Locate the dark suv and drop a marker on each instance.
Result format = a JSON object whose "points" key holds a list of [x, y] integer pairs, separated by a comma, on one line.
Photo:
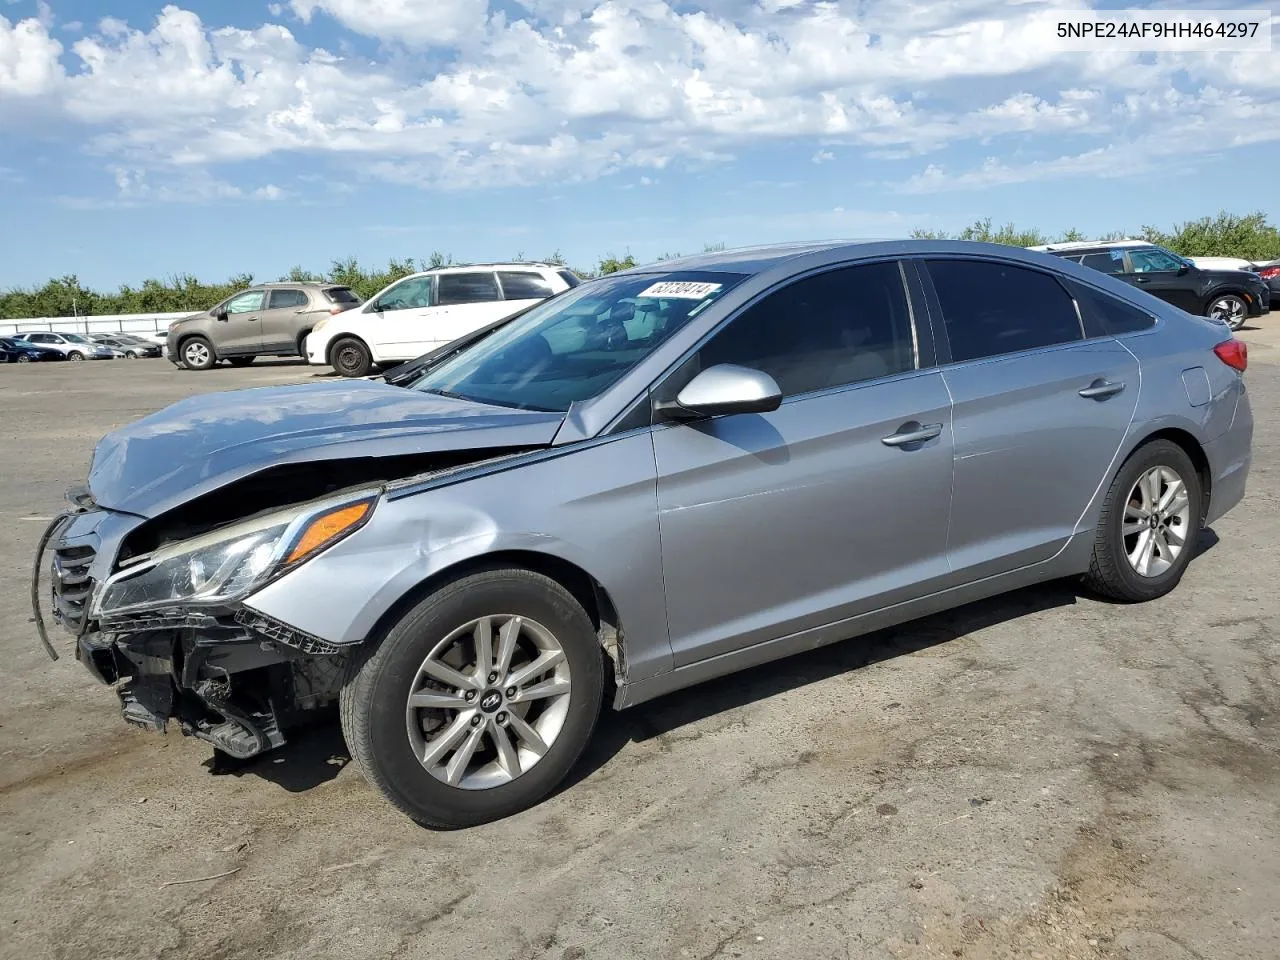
{"points": [[1229, 295], [265, 320]]}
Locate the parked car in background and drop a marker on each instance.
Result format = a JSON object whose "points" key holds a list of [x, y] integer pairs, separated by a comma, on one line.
{"points": [[1229, 295], [1221, 263], [1270, 272], [16, 350], [131, 348], [265, 320], [426, 310], [73, 346], [661, 476]]}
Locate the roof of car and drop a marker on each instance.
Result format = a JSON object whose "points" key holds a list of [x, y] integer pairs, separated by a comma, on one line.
{"points": [[321, 284], [1074, 245]]}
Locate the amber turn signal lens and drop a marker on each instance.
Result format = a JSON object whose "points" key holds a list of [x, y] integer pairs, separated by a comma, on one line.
{"points": [[326, 527]]}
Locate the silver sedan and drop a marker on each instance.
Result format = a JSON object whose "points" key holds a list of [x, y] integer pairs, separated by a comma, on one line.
{"points": [[655, 478]]}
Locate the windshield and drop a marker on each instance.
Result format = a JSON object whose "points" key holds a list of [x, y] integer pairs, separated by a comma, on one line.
{"points": [[76, 338], [578, 344]]}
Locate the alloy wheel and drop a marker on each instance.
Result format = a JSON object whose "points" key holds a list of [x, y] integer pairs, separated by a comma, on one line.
{"points": [[1157, 521], [488, 702], [196, 354], [1230, 309]]}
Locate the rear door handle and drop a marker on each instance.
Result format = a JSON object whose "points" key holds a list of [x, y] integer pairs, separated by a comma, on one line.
{"points": [[910, 433], [1141, 279], [1101, 389]]}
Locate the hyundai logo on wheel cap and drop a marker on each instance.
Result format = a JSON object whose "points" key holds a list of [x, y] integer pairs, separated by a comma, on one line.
{"points": [[490, 701]]}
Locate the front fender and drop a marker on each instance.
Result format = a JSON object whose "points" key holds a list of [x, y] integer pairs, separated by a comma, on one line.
{"points": [[593, 506]]}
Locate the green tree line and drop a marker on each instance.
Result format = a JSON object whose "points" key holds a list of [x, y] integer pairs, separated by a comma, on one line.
{"points": [[1248, 236]]}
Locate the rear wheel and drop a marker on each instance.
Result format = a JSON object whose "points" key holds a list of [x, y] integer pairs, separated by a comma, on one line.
{"points": [[241, 361], [197, 354], [1230, 308], [1149, 525], [350, 357], [478, 701]]}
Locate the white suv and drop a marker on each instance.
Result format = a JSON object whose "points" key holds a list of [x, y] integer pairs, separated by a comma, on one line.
{"points": [[426, 310]]}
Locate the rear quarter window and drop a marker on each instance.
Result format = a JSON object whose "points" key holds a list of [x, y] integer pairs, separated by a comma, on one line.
{"points": [[342, 295], [459, 288], [1107, 316]]}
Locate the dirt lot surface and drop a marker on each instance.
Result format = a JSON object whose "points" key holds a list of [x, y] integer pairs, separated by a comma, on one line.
{"points": [[1043, 776]]}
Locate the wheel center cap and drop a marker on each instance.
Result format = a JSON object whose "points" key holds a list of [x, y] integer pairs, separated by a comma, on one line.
{"points": [[490, 701], [1154, 520]]}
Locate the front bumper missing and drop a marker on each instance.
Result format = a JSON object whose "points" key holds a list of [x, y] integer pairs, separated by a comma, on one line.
{"points": [[234, 678]]}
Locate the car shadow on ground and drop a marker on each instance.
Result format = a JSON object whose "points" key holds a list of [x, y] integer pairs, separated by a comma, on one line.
{"points": [[317, 753]]}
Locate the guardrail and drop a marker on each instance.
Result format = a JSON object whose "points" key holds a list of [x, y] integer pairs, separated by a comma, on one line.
{"points": [[109, 323]]}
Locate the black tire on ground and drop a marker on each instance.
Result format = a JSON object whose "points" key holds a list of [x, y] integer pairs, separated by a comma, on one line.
{"points": [[1110, 571], [380, 678], [240, 361], [350, 357], [196, 353], [75, 355], [23, 358], [131, 354]]}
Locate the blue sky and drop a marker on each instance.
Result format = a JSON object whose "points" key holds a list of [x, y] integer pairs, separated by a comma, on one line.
{"points": [[142, 139]]}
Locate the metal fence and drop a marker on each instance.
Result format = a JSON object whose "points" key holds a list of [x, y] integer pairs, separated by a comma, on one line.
{"points": [[111, 323]]}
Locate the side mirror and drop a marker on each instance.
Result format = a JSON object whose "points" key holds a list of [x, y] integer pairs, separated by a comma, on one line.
{"points": [[723, 389], [221, 315], [1184, 269]]}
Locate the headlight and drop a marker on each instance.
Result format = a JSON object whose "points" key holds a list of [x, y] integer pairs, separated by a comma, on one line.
{"points": [[226, 565]]}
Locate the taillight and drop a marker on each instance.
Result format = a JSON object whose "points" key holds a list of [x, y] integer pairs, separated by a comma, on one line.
{"points": [[334, 311], [1270, 273], [1234, 353]]}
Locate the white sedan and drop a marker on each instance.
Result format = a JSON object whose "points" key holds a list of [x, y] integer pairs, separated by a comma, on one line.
{"points": [[426, 310]]}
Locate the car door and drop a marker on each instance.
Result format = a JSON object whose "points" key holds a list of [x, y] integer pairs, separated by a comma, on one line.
{"points": [[284, 319], [1163, 275], [473, 299], [1040, 412], [403, 319], [824, 508], [238, 326]]}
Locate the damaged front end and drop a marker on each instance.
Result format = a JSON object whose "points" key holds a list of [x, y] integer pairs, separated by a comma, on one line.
{"points": [[168, 628]]}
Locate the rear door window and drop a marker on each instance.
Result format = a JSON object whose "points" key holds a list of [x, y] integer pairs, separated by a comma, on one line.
{"points": [[280, 299], [524, 286], [459, 288], [991, 308], [1112, 262]]}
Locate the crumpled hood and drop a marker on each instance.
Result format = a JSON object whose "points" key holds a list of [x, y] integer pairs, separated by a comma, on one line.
{"points": [[204, 442]]}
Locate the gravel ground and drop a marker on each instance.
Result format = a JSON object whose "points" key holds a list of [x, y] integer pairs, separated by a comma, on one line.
{"points": [[1041, 776]]}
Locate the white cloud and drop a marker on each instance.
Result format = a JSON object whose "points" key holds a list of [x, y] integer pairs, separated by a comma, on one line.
{"points": [[29, 64], [418, 23], [577, 89]]}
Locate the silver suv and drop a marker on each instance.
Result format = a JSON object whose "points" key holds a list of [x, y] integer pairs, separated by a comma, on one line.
{"points": [[265, 320]]}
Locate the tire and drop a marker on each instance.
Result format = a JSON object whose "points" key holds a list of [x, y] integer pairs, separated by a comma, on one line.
{"points": [[350, 357], [241, 361], [197, 353], [385, 733], [1113, 571], [23, 358], [75, 355], [131, 354], [1229, 307]]}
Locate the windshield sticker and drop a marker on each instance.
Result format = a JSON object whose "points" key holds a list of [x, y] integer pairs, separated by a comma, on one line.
{"points": [[681, 290], [1117, 254]]}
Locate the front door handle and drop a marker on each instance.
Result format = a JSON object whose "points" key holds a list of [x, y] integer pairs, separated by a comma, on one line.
{"points": [[910, 433], [251, 319], [1101, 389], [1141, 279]]}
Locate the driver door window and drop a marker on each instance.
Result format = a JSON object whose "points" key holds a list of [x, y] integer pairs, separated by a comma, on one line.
{"points": [[411, 294], [246, 302]]}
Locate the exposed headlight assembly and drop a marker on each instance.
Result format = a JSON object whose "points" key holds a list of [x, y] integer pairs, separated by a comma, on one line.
{"points": [[226, 565]]}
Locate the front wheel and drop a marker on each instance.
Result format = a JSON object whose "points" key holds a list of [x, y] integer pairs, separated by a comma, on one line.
{"points": [[478, 701], [75, 355], [351, 358], [1149, 524], [1230, 308], [197, 354], [23, 358]]}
